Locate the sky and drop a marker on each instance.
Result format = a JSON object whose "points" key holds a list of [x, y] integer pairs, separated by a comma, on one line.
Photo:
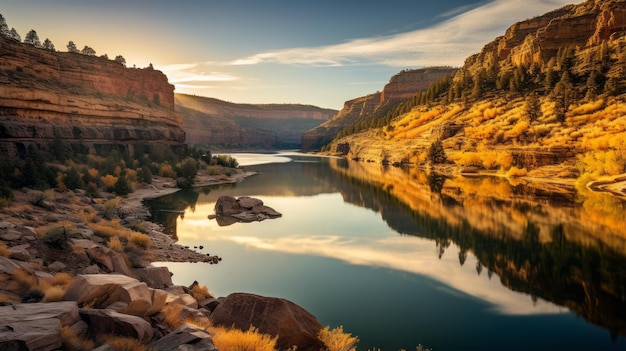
{"points": [[321, 52]]}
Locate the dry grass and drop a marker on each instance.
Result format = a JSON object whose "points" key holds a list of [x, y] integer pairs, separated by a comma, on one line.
{"points": [[54, 294], [238, 340], [7, 298], [200, 292], [171, 314], [73, 342], [115, 244], [140, 240], [61, 279], [337, 339], [26, 280]]}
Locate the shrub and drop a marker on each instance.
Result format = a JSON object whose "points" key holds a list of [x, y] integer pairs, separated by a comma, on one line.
{"points": [[238, 340], [337, 339], [516, 172], [171, 313], [58, 236], [144, 175], [166, 170], [226, 161], [436, 153], [121, 186], [110, 208], [108, 181]]}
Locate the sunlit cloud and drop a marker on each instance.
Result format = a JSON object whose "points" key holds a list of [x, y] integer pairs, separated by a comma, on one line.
{"points": [[195, 74], [447, 43]]}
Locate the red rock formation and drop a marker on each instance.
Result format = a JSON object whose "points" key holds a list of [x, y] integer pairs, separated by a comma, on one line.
{"points": [[401, 87], [46, 94]]}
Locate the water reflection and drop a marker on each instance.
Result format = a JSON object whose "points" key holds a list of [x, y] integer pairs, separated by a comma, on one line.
{"points": [[481, 237]]}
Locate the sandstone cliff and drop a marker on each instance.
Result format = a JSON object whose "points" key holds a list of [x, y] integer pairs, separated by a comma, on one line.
{"points": [[213, 122], [82, 99], [549, 92], [401, 87]]}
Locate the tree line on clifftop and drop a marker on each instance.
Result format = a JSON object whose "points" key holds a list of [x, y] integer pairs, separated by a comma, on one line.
{"points": [[570, 75]]}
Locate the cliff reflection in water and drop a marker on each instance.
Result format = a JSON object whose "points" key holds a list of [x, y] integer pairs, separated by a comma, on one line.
{"points": [[547, 241]]}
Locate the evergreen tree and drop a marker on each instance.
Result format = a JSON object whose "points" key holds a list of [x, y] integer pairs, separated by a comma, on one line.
{"points": [[121, 187], [71, 47], [32, 39], [121, 60], [436, 152], [88, 51], [15, 35], [47, 44], [4, 28], [533, 107]]}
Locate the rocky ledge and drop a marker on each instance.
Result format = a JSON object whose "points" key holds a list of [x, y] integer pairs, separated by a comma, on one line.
{"points": [[77, 291]]}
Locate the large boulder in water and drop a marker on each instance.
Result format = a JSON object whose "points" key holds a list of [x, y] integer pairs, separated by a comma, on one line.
{"points": [[274, 316], [229, 210]]}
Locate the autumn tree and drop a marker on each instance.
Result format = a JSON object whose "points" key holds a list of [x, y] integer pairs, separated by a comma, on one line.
{"points": [[563, 93], [32, 39], [533, 107]]}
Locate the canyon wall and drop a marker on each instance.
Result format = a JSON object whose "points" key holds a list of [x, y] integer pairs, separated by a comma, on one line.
{"points": [[216, 123], [90, 100], [401, 87]]}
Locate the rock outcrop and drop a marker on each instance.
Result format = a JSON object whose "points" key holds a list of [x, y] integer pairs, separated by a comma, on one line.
{"points": [[229, 210], [274, 316], [209, 121], [401, 87], [84, 100]]}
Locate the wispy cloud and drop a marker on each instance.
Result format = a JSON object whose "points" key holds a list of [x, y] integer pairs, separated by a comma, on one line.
{"points": [[195, 74], [447, 43]]}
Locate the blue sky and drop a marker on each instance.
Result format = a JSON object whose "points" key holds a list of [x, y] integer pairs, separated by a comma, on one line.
{"points": [[321, 52]]}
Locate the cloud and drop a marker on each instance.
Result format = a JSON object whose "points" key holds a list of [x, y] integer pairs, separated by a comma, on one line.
{"points": [[447, 43], [195, 74]]}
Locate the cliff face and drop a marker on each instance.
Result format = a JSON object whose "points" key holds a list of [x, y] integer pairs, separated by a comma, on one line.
{"points": [[547, 93], [213, 122], [81, 99], [401, 87]]}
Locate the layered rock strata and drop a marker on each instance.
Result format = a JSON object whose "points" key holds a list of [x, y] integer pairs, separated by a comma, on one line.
{"points": [[81, 99]]}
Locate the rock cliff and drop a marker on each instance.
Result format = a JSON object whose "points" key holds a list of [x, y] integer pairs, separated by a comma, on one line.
{"points": [[81, 99], [548, 92], [401, 87], [213, 122]]}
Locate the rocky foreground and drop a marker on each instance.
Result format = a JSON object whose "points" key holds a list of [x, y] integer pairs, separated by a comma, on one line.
{"points": [[76, 291]]}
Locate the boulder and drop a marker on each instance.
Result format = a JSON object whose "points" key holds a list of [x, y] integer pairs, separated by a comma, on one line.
{"points": [[119, 324], [35, 326], [186, 338], [274, 316], [20, 252], [229, 210], [8, 266], [102, 290], [155, 277]]}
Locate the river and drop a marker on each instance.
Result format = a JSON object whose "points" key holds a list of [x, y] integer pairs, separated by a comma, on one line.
{"points": [[401, 258]]}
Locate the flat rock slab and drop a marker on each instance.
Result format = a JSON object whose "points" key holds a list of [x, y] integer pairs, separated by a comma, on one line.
{"points": [[187, 337], [35, 326], [111, 322]]}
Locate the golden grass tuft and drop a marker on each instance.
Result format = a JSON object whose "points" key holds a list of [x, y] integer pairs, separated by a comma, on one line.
{"points": [[26, 280], [238, 340], [73, 342], [141, 240], [7, 298], [200, 292], [115, 244], [171, 314], [4, 250], [54, 294], [61, 279], [337, 339]]}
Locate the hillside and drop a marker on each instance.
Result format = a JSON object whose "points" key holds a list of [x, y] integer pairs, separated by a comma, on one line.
{"points": [[212, 122], [91, 103], [545, 99], [401, 87]]}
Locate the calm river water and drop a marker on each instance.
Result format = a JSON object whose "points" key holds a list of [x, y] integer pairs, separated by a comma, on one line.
{"points": [[401, 258]]}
